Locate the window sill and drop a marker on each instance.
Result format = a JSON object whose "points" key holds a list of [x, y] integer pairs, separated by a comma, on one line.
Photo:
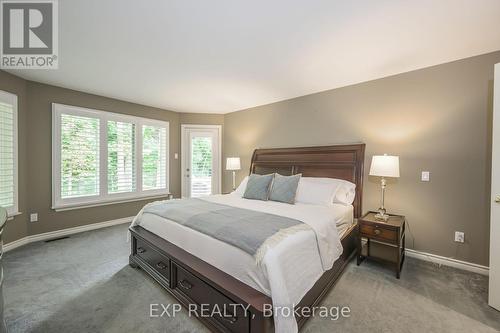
{"points": [[63, 208], [10, 216]]}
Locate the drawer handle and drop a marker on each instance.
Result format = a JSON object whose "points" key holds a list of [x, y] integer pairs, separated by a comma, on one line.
{"points": [[186, 285], [376, 232], [161, 265], [230, 320], [140, 250]]}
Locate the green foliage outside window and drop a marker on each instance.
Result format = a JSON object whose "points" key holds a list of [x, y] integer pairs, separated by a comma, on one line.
{"points": [[153, 157], [121, 157], [79, 156], [201, 157]]}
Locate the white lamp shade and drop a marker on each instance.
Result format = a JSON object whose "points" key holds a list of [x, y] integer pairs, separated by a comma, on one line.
{"points": [[233, 163], [385, 166]]}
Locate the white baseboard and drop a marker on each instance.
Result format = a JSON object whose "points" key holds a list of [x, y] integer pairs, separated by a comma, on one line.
{"points": [[464, 265], [64, 232], [440, 260], [15, 244]]}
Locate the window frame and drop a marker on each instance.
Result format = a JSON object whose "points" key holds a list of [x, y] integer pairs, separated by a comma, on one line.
{"points": [[13, 99], [104, 198]]}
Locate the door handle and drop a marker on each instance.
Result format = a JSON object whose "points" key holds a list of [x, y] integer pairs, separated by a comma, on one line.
{"points": [[497, 199]]}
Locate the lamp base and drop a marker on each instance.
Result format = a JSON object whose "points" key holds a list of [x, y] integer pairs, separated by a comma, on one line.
{"points": [[234, 180], [381, 215]]}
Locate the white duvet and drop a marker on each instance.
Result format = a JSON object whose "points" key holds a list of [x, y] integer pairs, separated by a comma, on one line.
{"points": [[288, 270]]}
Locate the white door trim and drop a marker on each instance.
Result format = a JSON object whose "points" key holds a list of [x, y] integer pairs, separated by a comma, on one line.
{"points": [[184, 128], [494, 285]]}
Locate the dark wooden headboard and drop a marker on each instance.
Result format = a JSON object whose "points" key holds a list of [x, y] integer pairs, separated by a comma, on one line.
{"points": [[340, 161]]}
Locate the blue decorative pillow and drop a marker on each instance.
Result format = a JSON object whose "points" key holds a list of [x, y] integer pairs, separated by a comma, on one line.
{"points": [[258, 187], [284, 188]]}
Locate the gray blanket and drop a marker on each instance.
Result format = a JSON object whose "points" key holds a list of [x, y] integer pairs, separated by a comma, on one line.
{"points": [[248, 230]]}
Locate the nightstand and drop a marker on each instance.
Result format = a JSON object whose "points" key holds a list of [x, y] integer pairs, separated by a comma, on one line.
{"points": [[385, 240]]}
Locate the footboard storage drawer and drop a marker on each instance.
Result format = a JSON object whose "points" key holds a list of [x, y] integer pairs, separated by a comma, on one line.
{"points": [[207, 302], [153, 258]]}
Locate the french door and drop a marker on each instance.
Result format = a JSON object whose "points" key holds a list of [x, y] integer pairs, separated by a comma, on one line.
{"points": [[494, 290], [201, 160]]}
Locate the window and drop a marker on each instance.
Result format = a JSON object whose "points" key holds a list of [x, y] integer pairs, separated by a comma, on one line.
{"points": [[79, 156], [121, 157], [153, 156], [101, 157], [8, 152]]}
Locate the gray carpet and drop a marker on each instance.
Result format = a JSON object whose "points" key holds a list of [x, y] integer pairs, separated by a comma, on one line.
{"points": [[84, 284]]}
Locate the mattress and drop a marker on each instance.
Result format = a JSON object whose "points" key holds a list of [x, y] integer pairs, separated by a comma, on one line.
{"points": [[298, 253]]}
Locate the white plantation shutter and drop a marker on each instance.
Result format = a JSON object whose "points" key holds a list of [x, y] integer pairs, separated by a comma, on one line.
{"points": [[79, 156], [102, 157], [8, 152], [121, 157], [154, 157]]}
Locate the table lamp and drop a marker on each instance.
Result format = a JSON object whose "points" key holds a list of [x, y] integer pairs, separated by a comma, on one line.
{"points": [[233, 164], [384, 166]]}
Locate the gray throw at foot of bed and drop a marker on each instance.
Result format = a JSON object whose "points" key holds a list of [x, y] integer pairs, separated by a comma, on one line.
{"points": [[251, 231]]}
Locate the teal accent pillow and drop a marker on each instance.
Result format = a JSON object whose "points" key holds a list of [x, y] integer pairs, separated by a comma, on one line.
{"points": [[284, 188], [258, 187]]}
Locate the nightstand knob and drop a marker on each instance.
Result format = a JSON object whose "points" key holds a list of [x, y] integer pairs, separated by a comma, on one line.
{"points": [[376, 232]]}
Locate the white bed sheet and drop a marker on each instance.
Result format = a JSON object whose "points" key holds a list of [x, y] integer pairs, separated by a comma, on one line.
{"points": [[288, 270]]}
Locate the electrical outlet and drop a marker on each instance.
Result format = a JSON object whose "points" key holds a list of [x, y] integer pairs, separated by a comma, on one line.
{"points": [[34, 217], [426, 176], [459, 237]]}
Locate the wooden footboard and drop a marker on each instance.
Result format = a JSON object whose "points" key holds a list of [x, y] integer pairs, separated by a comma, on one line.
{"points": [[193, 282]]}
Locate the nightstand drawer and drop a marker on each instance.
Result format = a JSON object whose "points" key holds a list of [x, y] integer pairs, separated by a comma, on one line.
{"points": [[378, 232], [383, 241]]}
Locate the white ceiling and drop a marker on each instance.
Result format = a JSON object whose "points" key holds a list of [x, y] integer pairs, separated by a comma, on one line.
{"points": [[221, 56]]}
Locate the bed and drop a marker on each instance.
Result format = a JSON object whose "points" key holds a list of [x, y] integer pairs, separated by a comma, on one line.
{"points": [[200, 270]]}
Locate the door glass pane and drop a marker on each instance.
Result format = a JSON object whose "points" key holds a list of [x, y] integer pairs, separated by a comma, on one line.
{"points": [[201, 166]]}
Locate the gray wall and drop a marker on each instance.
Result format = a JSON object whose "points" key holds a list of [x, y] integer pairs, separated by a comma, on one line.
{"points": [[436, 119], [39, 131], [17, 227], [201, 118], [35, 140]]}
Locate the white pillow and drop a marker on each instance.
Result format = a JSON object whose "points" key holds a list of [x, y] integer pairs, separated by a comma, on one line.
{"points": [[345, 193], [325, 191], [240, 190], [316, 191]]}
